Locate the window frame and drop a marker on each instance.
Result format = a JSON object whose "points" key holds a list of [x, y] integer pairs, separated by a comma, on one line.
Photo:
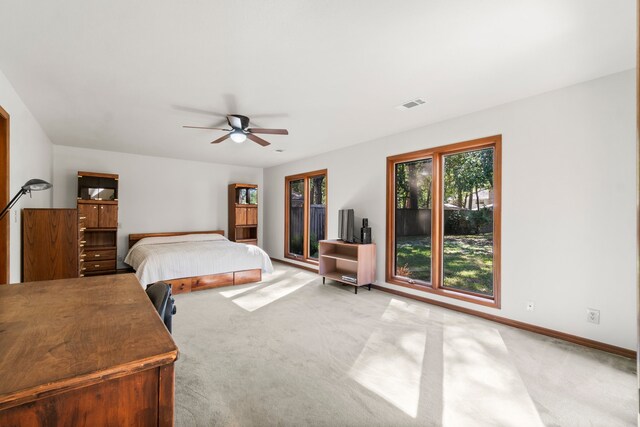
{"points": [[307, 176], [436, 286]]}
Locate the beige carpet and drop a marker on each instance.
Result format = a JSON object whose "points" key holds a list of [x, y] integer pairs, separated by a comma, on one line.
{"points": [[293, 352]]}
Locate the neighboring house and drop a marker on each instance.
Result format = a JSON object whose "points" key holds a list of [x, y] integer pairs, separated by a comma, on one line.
{"points": [[484, 200]]}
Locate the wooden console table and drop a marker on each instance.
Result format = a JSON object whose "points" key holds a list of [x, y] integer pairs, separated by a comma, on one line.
{"points": [[84, 352], [338, 259]]}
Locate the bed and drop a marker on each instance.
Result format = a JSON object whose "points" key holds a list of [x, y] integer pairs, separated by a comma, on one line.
{"points": [[191, 261]]}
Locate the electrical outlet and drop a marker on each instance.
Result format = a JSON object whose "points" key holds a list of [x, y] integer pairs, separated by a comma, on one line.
{"points": [[120, 258], [530, 306], [593, 316]]}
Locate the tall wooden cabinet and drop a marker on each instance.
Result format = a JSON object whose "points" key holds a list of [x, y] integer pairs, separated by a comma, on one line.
{"points": [[243, 213], [98, 221], [50, 244]]}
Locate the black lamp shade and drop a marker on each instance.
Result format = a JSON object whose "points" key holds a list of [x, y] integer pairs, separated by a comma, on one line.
{"points": [[28, 187], [36, 185]]}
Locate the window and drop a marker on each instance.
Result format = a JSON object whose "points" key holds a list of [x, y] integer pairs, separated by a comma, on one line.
{"points": [[443, 220], [305, 215], [413, 219]]}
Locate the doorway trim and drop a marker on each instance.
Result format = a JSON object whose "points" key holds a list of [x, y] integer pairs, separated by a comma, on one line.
{"points": [[5, 231]]}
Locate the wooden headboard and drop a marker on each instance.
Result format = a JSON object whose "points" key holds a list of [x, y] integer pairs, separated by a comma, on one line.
{"points": [[133, 238]]}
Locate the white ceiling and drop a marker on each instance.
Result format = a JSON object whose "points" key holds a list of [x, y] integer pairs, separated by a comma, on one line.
{"points": [[125, 75]]}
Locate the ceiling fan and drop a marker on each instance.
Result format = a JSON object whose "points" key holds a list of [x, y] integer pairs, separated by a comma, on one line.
{"points": [[240, 131]]}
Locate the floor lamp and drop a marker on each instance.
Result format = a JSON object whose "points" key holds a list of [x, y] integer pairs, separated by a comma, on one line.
{"points": [[31, 185]]}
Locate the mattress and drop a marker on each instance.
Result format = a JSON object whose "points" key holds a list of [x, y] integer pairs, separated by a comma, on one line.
{"points": [[174, 257]]}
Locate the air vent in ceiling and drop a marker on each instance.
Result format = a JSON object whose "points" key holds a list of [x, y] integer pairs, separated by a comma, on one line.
{"points": [[411, 104]]}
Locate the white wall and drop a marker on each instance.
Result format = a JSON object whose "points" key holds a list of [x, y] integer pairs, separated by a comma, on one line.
{"points": [[155, 194], [568, 217], [30, 157]]}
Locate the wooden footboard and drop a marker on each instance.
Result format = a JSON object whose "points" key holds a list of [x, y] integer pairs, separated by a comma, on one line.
{"points": [[198, 283]]}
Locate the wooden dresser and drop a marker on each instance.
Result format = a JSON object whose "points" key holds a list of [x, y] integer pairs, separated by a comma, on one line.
{"points": [[50, 244], [84, 352]]}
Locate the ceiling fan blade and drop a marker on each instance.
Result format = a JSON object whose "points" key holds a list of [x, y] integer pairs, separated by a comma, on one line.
{"points": [[258, 140], [197, 110], [219, 140], [271, 116], [221, 122], [202, 127], [269, 131]]}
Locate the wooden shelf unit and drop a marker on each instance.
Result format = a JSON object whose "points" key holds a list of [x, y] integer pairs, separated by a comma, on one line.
{"points": [[338, 258], [98, 224], [243, 217], [49, 244]]}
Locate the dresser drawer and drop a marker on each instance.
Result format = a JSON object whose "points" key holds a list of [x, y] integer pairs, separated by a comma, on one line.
{"points": [[99, 254], [92, 265]]}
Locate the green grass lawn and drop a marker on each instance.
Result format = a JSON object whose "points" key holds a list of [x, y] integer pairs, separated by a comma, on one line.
{"points": [[468, 261]]}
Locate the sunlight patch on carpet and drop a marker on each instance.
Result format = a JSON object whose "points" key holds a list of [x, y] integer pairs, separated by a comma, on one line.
{"points": [[235, 292], [390, 364], [268, 294], [480, 378]]}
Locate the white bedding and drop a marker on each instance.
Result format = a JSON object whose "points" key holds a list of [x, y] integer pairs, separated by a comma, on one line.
{"points": [[174, 257]]}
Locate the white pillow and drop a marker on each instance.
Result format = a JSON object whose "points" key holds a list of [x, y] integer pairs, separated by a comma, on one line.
{"points": [[178, 239]]}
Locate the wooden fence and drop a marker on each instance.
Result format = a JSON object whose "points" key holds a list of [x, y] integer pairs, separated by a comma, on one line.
{"points": [[413, 222], [417, 222], [317, 215]]}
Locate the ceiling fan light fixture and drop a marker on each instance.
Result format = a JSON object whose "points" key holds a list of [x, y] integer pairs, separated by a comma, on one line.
{"points": [[240, 131], [238, 136]]}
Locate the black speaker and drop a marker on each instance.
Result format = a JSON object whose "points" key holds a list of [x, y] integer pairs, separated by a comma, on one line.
{"points": [[365, 232]]}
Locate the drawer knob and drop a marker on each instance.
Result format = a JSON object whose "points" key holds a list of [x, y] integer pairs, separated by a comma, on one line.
{"points": [[83, 241], [83, 217], [96, 255], [96, 265]]}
